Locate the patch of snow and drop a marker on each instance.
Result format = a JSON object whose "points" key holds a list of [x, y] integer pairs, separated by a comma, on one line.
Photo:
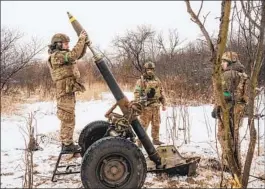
{"points": [[202, 142]]}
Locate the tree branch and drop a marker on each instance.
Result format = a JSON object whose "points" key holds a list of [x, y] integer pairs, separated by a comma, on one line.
{"points": [[199, 23], [249, 16]]}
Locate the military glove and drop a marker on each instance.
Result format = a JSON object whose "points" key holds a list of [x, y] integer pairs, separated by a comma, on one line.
{"points": [[151, 93], [84, 34], [216, 112]]}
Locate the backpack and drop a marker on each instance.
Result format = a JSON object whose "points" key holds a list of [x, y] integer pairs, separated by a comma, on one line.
{"points": [[242, 87]]}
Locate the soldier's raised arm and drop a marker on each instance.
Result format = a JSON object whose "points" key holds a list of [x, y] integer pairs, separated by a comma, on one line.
{"points": [[78, 49]]}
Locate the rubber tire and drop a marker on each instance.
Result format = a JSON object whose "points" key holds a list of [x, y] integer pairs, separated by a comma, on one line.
{"points": [[91, 133], [113, 145]]}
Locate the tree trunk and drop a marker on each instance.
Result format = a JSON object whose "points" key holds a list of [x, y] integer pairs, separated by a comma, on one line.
{"points": [[227, 147]]}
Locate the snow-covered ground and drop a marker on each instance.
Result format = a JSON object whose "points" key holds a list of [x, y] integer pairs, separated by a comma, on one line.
{"points": [[201, 141]]}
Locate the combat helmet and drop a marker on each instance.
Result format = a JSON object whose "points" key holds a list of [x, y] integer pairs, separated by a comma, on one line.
{"points": [[230, 57], [60, 38], [149, 65]]}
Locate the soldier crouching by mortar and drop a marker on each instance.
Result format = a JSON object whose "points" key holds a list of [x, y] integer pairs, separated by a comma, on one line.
{"points": [[62, 65], [149, 91]]}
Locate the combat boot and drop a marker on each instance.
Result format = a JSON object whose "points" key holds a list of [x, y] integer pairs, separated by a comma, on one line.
{"points": [[71, 148], [157, 142]]}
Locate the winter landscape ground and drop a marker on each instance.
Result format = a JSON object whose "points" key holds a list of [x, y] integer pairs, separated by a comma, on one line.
{"points": [[201, 142]]}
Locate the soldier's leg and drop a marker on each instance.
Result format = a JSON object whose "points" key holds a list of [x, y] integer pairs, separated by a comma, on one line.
{"points": [[145, 117], [238, 119], [66, 113], [221, 139], [155, 122]]}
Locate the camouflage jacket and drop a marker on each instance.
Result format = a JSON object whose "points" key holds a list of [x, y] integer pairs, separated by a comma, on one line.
{"points": [[235, 82], [151, 89], [64, 71]]}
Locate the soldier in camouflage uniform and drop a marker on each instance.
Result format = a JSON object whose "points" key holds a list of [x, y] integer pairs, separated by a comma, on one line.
{"points": [[234, 81], [64, 72], [149, 87]]}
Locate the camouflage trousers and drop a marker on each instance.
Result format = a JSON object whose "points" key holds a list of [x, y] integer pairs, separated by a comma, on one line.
{"points": [[66, 114], [151, 114], [236, 118]]}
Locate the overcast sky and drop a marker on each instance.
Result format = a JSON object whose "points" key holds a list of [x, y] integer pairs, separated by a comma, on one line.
{"points": [[103, 20]]}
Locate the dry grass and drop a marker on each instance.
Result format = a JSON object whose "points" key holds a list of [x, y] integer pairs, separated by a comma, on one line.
{"points": [[93, 91], [10, 104]]}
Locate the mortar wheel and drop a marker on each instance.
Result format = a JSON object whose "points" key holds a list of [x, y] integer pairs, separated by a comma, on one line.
{"points": [[113, 162], [91, 133]]}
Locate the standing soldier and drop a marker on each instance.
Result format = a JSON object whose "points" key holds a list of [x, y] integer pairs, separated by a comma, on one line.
{"points": [[62, 65], [234, 81], [149, 87]]}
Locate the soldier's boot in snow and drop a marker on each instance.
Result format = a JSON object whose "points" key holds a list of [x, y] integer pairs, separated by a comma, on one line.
{"points": [[157, 142], [71, 148]]}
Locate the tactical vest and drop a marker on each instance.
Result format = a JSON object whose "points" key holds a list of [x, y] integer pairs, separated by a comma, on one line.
{"points": [[151, 88], [64, 74], [62, 71]]}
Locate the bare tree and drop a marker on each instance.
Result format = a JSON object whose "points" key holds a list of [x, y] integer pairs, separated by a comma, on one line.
{"points": [[174, 41], [31, 145], [167, 49], [255, 26], [216, 60], [14, 56], [252, 7], [258, 60], [133, 46]]}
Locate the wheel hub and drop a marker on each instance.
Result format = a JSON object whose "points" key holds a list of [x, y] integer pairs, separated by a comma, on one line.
{"points": [[114, 171]]}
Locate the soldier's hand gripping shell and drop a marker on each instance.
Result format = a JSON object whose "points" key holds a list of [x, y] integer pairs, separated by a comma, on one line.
{"points": [[84, 34]]}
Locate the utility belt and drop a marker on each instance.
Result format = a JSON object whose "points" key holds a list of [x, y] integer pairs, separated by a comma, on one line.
{"points": [[67, 86]]}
